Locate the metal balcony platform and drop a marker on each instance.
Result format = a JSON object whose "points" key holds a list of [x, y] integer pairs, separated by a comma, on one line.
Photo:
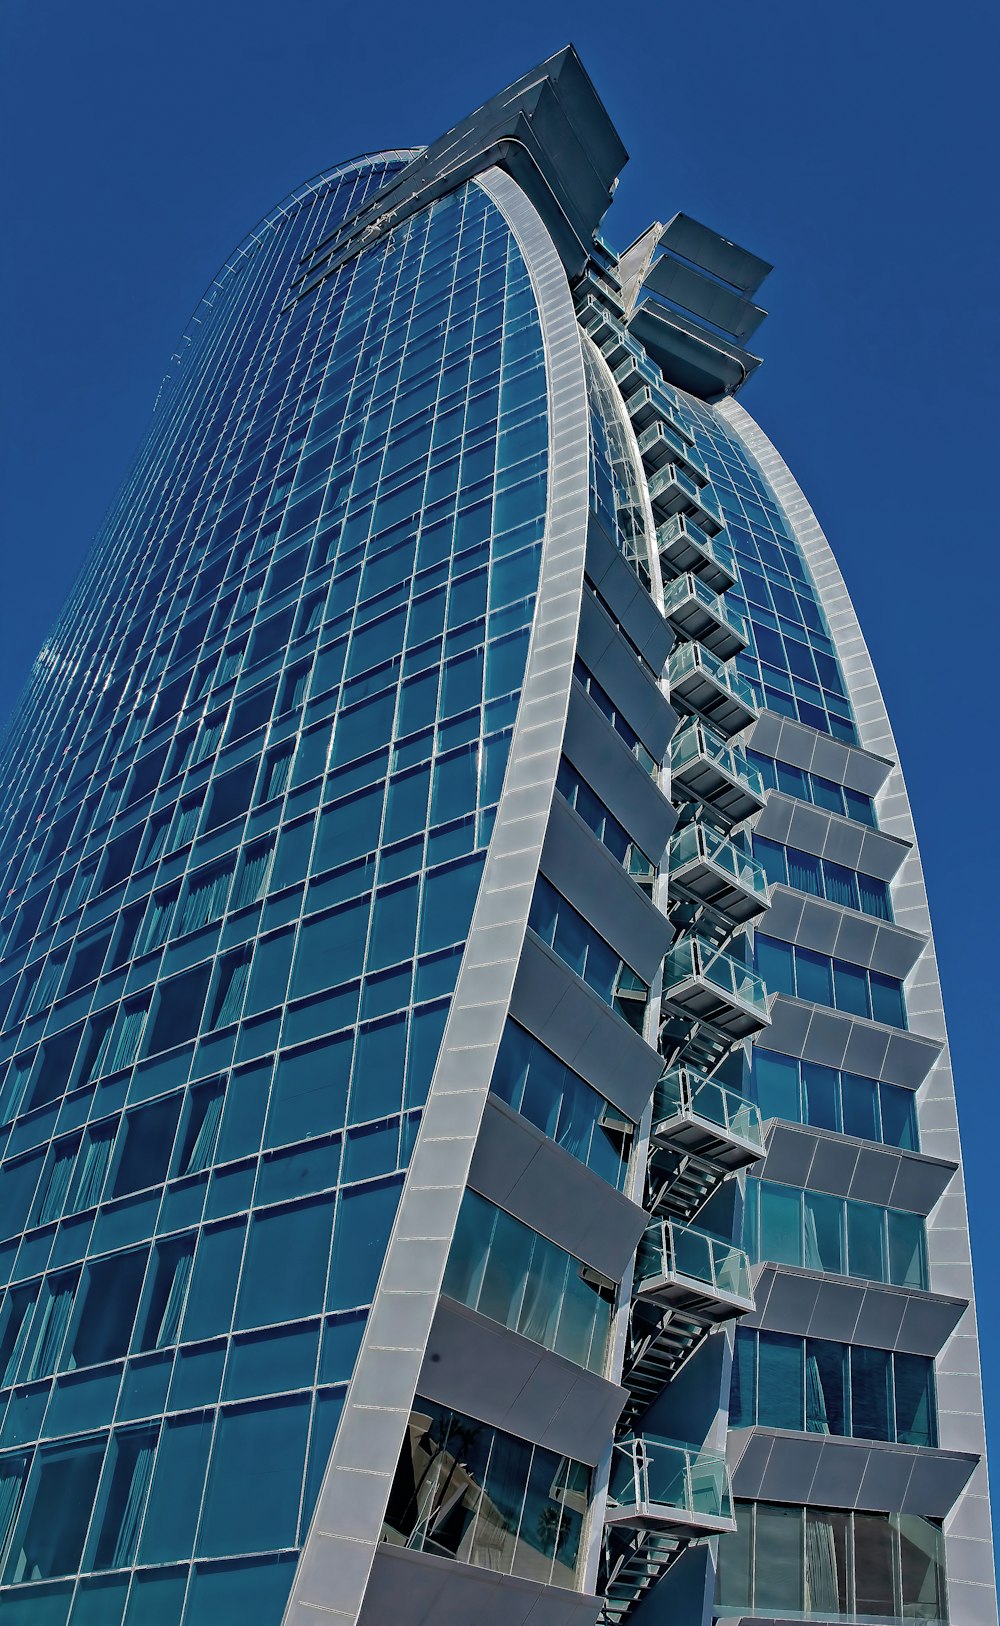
{"points": [[697, 1116], [660, 445], [704, 548], [673, 1489], [596, 319], [681, 1268], [701, 683], [696, 612], [710, 873], [703, 984], [705, 768], [642, 407]]}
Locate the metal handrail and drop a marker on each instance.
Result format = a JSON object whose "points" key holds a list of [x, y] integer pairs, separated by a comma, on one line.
{"points": [[684, 1090], [648, 1470]]}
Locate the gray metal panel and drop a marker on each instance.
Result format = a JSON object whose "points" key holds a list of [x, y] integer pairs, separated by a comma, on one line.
{"points": [[559, 1008], [521, 1170], [488, 1372], [703, 298], [875, 1475], [838, 1040], [584, 871], [635, 694], [715, 253], [791, 741], [625, 595], [338, 1553], [800, 1154], [624, 786], [693, 357], [424, 1590], [789, 1299], [829, 928], [548, 129]]}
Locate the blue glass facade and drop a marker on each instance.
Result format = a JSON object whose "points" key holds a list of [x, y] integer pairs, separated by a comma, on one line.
{"points": [[256, 838], [463, 950], [791, 659]]}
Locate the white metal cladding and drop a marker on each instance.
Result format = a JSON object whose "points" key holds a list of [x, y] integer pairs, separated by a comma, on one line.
{"points": [[968, 1534], [337, 1558]]}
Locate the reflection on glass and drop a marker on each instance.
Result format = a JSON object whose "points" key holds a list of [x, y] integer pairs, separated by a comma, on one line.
{"points": [[829, 1564], [508, 1272], [467, 1491]]}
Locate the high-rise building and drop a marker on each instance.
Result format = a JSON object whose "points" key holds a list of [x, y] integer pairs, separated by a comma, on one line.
{"points": [[478, 1136]]}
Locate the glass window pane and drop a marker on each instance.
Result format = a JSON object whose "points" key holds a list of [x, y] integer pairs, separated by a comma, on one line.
{"points": [[873, 1579], [804, 872], [852, 988], [827, 1588], [921, 1554], [824, 1232], [866, 1241], [244, 1508], [822, 1092], [916, 1421], [887, 1001], [780, 1381], [732, 1583], [364, 1220], [54, 1518], [826, 794], [860, 1097], [826, 1387], [284, 1273], [870, 1394], [899, 1117], [874, 897], [907, 1249], [779, 1554], [772, 855], [776, 1085], [780, 1224], [841, 885], [743, 1386], [175, 1495], [774, 963], [812, 977]]}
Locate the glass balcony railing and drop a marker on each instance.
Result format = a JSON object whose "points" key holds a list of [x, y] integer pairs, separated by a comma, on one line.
{"points": [[695, 960], [650, 1472], [671, 483], [670, 1249], [690, 660], [684, 1092], [689, 601], [662, 445], [696, 742], [697, 844], [685, 545]]}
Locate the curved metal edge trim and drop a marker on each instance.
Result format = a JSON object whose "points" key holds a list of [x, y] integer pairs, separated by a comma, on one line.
{"points": [[338, 1553], [968, 1532]]}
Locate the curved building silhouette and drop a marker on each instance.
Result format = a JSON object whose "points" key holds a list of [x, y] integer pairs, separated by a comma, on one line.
{"points": [[478, 1137]]}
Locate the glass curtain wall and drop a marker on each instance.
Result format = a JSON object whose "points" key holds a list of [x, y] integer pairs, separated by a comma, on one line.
{"points": [[242, 851]]}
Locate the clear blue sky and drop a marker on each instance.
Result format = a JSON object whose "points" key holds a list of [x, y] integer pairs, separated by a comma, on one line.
{"points": [[849, 144]]}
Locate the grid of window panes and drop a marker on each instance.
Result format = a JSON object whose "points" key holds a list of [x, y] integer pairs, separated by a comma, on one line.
{"points": [[229, 972], [791, 660], [814, 1230], [821, 1386], [847, 1103], [831, 1564]]}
